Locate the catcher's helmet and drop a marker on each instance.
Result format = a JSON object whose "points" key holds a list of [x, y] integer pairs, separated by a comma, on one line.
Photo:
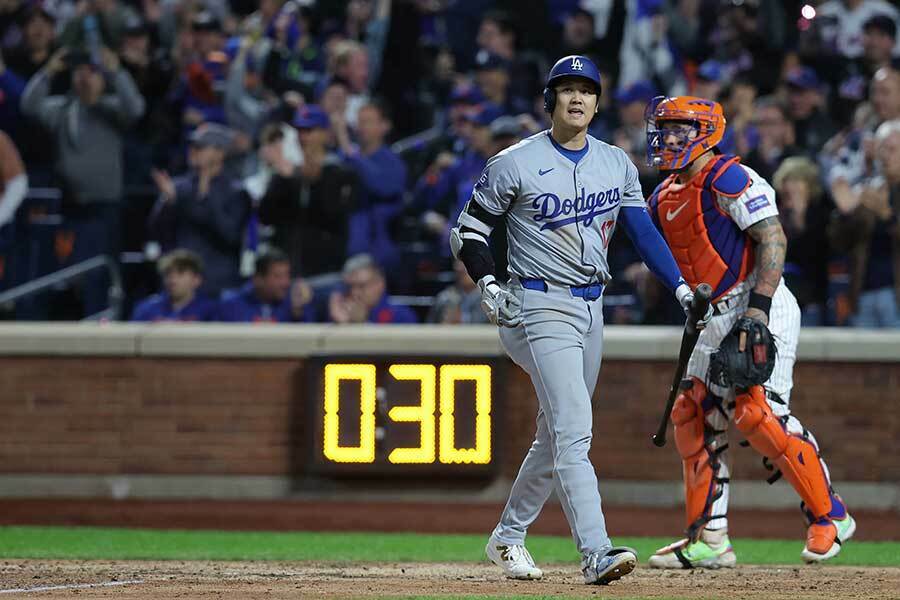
{"points": [[570, 66], [705, 116]]}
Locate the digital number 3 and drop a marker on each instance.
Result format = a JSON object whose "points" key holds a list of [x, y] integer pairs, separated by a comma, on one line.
{"points": [[422, 413]]}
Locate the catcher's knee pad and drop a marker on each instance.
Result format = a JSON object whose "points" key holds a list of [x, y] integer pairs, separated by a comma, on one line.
{"points": [[796, 456], [699, 462]]}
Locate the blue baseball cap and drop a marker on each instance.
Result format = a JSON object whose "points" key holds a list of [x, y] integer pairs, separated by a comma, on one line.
{"points": [[466, 93], [710, 70], [639, 91], [485, 114], [803, 78], [311, 116]]}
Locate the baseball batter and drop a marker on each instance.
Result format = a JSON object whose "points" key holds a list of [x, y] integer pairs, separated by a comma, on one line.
{"points": [[561, 193], [721, 222]]}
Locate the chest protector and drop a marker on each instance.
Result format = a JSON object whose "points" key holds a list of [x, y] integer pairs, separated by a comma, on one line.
{"points": [[707, 244]]}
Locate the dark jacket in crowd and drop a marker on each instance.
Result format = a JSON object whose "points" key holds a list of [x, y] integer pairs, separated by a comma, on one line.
{"points": [[212, 226], [310, 217], [806, 263]]}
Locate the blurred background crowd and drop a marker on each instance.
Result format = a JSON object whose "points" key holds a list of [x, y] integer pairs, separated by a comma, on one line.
{"points": [[303, 160]]}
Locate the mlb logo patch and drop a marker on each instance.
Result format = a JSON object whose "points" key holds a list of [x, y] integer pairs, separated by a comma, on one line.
{"points": [[754, 204]]}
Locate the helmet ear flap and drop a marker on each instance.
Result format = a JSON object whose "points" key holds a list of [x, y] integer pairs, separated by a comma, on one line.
{"points": [[549, 99]]}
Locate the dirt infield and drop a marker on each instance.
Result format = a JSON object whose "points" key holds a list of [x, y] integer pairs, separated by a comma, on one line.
{"points": [[422, 517], [176, 579]]}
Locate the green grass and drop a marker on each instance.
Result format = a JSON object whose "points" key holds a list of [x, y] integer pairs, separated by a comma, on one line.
{"points": [[115, 543]]}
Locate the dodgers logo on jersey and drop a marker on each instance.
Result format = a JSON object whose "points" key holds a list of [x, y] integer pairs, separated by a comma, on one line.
{"points": [[586, 206]]}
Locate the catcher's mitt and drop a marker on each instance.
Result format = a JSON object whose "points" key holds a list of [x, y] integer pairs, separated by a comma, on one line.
{"points": [[729, 366]]}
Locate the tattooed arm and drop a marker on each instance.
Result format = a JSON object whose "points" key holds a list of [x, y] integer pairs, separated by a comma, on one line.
{"points": [[771, 247]]}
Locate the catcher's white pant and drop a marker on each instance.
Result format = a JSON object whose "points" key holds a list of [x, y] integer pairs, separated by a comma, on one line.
{"points": [[784, 323], [559, 344]]}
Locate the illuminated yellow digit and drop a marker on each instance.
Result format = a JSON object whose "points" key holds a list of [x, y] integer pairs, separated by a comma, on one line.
{"points": [[481, 453], [423, 414], [365, 452]]}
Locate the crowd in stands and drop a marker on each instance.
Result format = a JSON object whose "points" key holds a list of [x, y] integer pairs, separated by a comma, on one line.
{"points": [[304, 160]]}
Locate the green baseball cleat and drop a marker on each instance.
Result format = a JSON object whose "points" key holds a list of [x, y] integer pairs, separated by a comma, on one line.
{"points": [[696, 555]]}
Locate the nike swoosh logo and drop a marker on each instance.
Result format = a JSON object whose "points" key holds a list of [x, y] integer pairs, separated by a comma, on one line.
{"points": [[541, 172], [671, 214]]}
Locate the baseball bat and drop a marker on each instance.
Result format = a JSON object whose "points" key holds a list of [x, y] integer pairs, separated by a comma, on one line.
{"points": [[699, 306]]}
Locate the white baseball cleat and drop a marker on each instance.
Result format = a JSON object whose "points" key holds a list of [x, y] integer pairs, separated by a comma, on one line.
{"points": [[514, 559], [600, 570]]}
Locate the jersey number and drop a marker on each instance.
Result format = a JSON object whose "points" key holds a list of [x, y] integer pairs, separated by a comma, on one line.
{"points": [[606, 230]]}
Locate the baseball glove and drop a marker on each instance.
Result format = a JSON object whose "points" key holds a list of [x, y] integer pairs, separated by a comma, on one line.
{"points": [[729, 365]]}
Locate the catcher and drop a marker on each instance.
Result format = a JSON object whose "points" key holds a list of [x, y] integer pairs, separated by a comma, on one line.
{"points": [[720, 220]]}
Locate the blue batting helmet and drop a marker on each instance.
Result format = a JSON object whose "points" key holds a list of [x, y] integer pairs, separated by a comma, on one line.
{"points": [[570, 66]]}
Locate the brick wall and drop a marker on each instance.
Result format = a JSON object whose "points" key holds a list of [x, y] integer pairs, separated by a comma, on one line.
{"points": [[243, 417]]}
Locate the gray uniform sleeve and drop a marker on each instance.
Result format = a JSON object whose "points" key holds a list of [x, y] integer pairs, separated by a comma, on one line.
{"points": [[498, 185], [632, 195]]}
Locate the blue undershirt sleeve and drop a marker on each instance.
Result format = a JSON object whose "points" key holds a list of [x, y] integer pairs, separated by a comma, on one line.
{"points": [[651, 245]]}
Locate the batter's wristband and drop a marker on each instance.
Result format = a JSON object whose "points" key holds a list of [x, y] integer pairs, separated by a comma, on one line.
{"points": [[761, 302]]}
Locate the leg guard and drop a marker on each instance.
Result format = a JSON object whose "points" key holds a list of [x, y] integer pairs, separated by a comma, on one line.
{"points": [[797, 458], [700, 462]]}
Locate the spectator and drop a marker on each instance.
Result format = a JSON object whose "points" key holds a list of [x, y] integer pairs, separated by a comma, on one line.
{"points": [[685, 18], [498, 37], [293, 59], [38, 37], [578, 34], [365, 298], [101, 22], [749, 38], [879, 46], [182, 275], [708, 83], [840, 23], [382, 176], [204, 210], [739, 104], [849, 157], [493, 76], [879, 42], [447, 185], [247, 101], [88, 128], [645, 54], [209, 36], [459, 303], [155, 135], [14, 184], [775, 134], [349, 63], [309, 205], [368, 21], [804, 217], [865, 227], [270, 296], [806, 106], [631, 135]]}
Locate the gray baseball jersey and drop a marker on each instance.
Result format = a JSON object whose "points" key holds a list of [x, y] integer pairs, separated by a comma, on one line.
{"points": [[559, 216]]}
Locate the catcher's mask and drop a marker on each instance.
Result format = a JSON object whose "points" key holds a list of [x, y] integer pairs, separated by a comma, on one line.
{"points": [[671, 146]]}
